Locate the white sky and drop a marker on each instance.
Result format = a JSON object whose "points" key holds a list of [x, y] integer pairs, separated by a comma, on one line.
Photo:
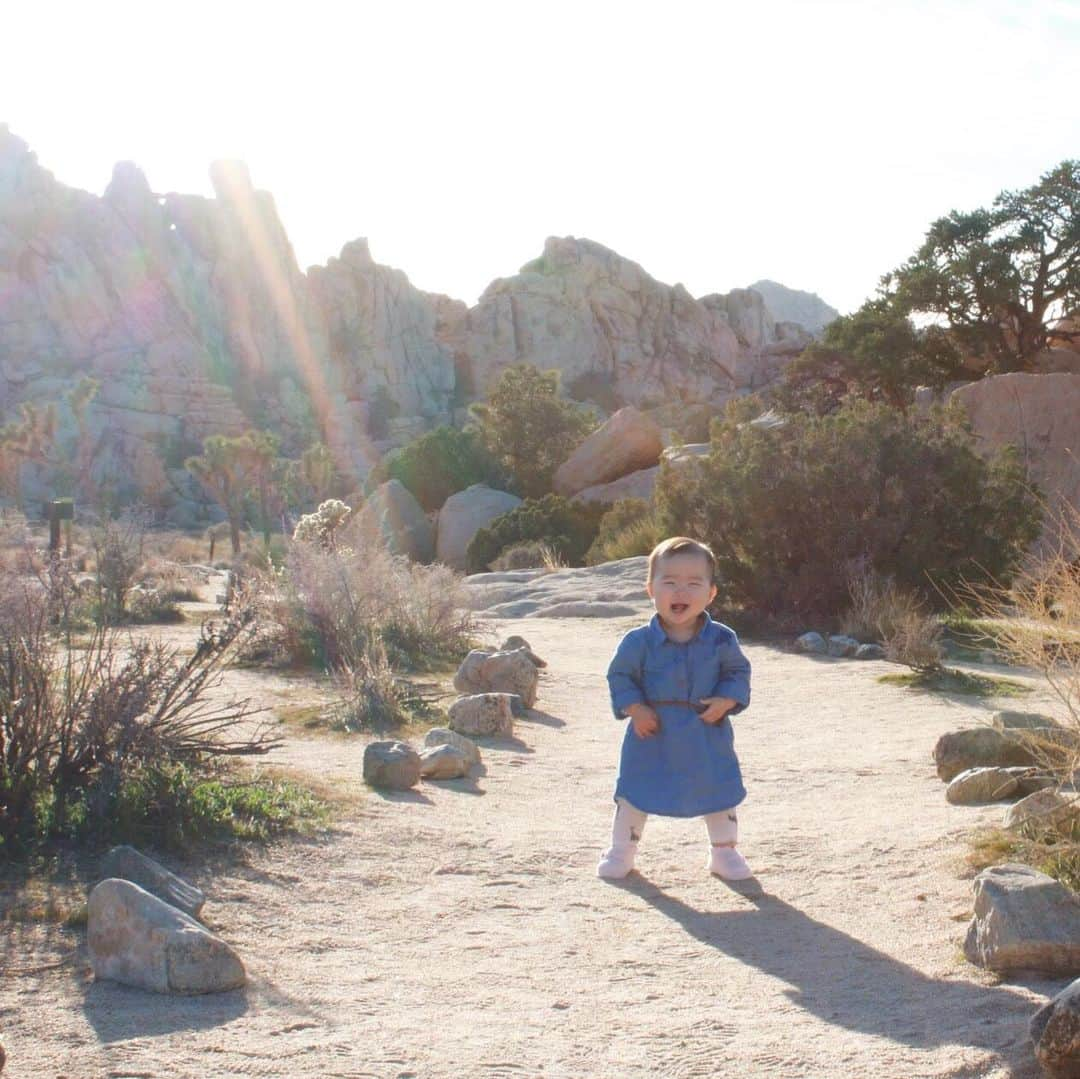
{"points": [[714, 143]]}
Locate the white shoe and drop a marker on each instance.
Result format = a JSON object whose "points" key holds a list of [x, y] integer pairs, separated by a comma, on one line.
{"points": [[617, 862], [729, 864]]}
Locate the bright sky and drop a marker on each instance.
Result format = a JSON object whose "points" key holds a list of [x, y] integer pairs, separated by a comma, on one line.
{"points": [[714, 142]]}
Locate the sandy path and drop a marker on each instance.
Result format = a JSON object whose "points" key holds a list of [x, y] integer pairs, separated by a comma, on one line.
{"points": [[459, 931]]}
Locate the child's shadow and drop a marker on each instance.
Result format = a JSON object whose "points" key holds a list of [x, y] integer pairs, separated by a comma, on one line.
{"points": [[846, 982]]}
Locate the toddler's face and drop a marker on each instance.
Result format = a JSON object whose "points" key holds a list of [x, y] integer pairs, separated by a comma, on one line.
{"points": [[681, 589]]}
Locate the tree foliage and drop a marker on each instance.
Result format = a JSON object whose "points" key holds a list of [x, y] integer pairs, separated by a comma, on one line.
{"points": [[790, 509], [529, 429], [443, 462]]}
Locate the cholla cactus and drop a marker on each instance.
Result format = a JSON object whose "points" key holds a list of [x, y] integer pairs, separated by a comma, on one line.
{"points": [[320, 527]]}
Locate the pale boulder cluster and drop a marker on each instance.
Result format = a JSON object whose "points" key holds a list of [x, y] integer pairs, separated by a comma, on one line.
{"points": [[494, 687], [1024, 920]]}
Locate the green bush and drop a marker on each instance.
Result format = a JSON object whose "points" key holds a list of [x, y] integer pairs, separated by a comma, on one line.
{"points": [[441, 463], [569, 528], [791, 508], [627, 529], [529, 429]]}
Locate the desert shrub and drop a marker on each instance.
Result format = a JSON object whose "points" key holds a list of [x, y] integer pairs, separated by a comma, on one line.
{"points": [[627, 529], [118, 547], [529, 429], [914, 639], [321, 527], [373, 697], [77, 723], [327, 606], [532, 554], [568, 528], [789, 507], [441, 463], [878, 607]]}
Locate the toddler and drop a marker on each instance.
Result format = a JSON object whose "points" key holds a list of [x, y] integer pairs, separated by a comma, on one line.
{"points": [[678, 679]]}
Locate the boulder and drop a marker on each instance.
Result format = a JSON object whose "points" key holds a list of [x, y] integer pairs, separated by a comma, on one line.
{"points": [[463, 515], [482, 714], [1055, 1032], [514, 642], [392, 514], [640, 484], [842, 647], [978, 747], [627, 442], [1024, 920], [869, 651], [443, 736], [1042, 808], [392, 765], [813, 643], [978, 785], [136, 939], [444, 762], [1037, 414], [127, 863], [1021, 721], [499, 672]]}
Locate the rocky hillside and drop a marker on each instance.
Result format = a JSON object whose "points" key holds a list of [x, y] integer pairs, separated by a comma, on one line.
{"points": [[194, 317], [794, 305]]}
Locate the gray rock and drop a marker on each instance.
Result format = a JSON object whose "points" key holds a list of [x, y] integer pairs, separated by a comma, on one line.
{"points": [[1021, 721], [1042, 808], [128, 864], [813, 643], [463, 515], [136, 939], [443, 736], [499, 672], [979, 785], [444, 762], [1055, 1032], [391, 764], [482, 713], [513, 643], [1024, 920], [392, 514], [842, 647], [979, 747], [869, 651]]}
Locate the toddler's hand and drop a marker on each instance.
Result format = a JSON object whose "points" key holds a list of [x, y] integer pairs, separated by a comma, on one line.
{"points": [[718, 707], [644, 720]]}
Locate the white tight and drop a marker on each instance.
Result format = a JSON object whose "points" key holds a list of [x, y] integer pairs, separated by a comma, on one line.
{"points": [[629, 824]]}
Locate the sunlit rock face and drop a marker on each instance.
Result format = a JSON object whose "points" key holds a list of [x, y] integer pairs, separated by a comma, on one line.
{"points": [[195, 319]]}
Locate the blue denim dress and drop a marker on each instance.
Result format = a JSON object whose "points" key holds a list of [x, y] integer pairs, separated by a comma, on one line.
{"points": [[689, 768]]}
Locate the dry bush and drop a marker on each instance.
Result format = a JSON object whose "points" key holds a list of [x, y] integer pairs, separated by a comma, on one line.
{"points": [[327, 606], [78, 722], [880, 610], [533, 554], [915, 641]]}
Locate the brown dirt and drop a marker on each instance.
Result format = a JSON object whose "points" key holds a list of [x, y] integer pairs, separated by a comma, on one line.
{"points": [[458, 930]]}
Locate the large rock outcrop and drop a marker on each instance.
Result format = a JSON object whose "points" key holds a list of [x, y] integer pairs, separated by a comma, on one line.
{"points": [[1040, 415]]}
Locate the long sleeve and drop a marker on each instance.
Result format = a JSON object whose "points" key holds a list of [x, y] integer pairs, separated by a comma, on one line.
{"points": [[624, 674], [734, 680]]}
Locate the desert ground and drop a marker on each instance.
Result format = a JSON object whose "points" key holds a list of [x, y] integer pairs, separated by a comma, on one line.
{"points": [[459, 930]]}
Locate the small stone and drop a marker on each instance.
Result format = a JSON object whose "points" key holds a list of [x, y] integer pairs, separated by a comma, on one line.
{"points": [[841, 647], [813, 643], [869, 651], [482, 713], [512, 644], [443, 736], [444, 762], [136, 939], [978, 785], [1044, 808], [129, 864], [393, 765], [1055, 1032], [1024, 920]]}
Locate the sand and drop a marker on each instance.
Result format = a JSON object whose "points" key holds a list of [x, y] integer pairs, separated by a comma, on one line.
{"points": [[459, 930]]}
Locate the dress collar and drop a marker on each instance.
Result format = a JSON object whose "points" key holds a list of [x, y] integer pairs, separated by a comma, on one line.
{"points": [[658, 635]]}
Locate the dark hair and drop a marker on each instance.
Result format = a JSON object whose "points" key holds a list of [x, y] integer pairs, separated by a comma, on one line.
{"points": [[680, 545]]}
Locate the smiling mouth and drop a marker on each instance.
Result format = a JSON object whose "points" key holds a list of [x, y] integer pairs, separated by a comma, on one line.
{"points": [[679, 608]]}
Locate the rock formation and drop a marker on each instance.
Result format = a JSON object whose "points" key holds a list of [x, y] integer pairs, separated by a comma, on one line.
{"points": [[793, 305], [194, 318]]}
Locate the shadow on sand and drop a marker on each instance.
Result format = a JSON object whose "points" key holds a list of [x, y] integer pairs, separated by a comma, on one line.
{"points": [[848, 983]]}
